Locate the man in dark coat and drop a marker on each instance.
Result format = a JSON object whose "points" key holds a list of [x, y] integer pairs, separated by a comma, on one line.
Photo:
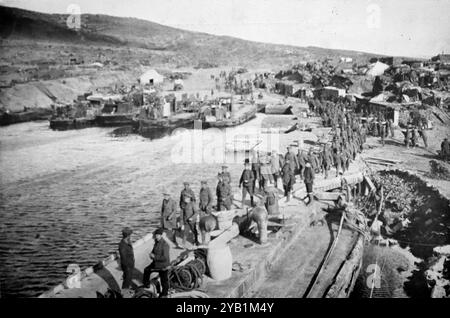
{"points": [[126, 257], [309, 181], [205, 199], [187, 191], [288, 177], [246, 182], [160, 263], [169, 216]]}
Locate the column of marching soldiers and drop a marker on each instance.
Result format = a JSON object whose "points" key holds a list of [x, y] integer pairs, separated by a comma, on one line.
{"points": [[265, 171]]}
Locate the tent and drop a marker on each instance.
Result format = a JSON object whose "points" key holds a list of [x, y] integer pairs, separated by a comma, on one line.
{"points": [[151, 77], [377, 69]]}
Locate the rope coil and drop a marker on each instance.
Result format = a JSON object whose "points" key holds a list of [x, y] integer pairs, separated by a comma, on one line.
{"points": [[189, 276]]}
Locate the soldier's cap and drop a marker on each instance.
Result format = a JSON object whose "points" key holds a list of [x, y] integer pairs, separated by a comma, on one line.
{"points": [[186, 183], [158, 231], [165, 192], [224, 167], [204, 182], [127, 231]]}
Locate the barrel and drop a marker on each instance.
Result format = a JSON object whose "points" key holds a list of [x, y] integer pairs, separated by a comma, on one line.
{"points": [[220, 262]]}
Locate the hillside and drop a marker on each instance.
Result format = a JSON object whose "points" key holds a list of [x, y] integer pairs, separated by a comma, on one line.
{"points": [[189, 47], [43, 61]]}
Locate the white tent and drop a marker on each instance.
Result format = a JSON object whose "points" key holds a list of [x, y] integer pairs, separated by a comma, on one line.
{"points": [[377, 69], [151, 77]]}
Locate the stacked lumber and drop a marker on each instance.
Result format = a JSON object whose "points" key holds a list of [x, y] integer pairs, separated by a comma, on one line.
{"points": [[382, 161]]}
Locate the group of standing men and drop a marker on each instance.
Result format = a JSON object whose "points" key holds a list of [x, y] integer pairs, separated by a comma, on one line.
{"points": [[191, 213]]}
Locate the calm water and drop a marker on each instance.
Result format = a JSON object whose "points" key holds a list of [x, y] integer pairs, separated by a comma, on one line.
{"points": [[65, 196]]}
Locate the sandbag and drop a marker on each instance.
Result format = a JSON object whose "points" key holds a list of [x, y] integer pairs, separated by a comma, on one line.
{"points": [[220, 262]]}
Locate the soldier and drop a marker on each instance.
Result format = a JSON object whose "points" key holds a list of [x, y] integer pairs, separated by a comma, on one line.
{"points": [[247, 182], [347, 159], [226, 174], [126, 257], [301, 158], [266, 171], [364, 133], [187, 191], [275, 164], [424, 137], [407, 137], [169, 216], [311, 159], [256, 169], [190, 219], [292, 159], [205, 199], [445, 149], [382, 132], [326, 160], [343, 159], [415, 136], [223, 192], [271, 199], [391, 127], [288, 177], [309, 181]]}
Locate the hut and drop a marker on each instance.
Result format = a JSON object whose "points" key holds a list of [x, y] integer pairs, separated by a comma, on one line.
{"points": [[329, 92], [151, 77]]}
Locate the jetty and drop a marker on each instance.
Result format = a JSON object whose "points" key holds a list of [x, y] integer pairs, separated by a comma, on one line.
{"points": [[326, 259]]}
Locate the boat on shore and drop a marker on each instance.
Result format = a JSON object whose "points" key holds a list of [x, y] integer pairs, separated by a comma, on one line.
{"points": [[152, 127], [226, 113], [114, 114], [71, 123], [79, 115], [9, 118]]}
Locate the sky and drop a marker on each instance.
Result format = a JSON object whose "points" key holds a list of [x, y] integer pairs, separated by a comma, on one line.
{"points": [[416, 28]]}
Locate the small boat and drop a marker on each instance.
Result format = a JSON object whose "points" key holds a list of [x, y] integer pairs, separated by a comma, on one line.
{"points": [[117, 114], [79, 115], [227, 114], [71, 123], [8, 118], [165, 125]]}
